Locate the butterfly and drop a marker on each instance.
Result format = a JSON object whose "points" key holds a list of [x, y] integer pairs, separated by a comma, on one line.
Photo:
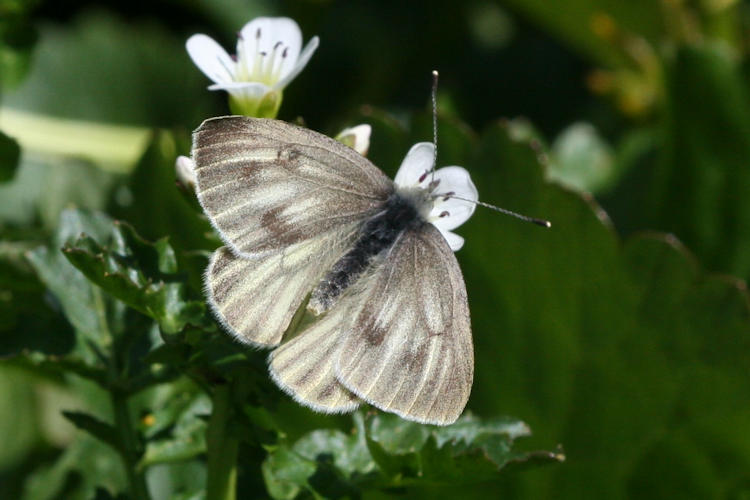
{"points": [[313, 229]]}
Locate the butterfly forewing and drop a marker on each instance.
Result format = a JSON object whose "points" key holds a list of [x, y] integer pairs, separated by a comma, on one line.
{"points": [[266, 185], [288, 203], [408, 348]]}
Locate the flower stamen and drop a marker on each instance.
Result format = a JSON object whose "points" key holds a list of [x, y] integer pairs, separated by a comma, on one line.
{"points": [[448, 195]]}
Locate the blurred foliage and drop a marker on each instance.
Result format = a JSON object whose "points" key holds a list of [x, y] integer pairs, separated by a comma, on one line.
{"points": [[17, 37], [9, 156], [622, 333]]}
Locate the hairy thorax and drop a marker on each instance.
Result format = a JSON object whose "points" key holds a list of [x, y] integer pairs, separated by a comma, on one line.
{"points": [[403, 210]]}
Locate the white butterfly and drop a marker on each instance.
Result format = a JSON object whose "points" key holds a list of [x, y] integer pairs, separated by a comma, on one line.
{"points": [[315, 230]]}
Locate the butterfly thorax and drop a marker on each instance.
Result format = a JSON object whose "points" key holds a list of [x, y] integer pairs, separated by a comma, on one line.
{"points": [[403, 210]]}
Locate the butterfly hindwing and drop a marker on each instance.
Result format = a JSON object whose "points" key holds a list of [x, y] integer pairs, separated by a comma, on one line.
{"points": [[304, 366], [255, 299], [408, 347], [266, 185]]}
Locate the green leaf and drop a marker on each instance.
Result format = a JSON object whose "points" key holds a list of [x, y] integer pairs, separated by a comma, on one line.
{"points": [[184, 415], [83, 304], [151, 190], [111, 339], [286, 472], [80, 468], [10, 153], [695, 174], [139, 273], [347, 452], [388, 451], [26, 307], [54, 366], [625, 346], [470, 450], [101, 430]]}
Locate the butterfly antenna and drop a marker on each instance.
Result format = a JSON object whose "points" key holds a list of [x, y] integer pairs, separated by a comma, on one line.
{"points": [[533, 220], [434, 122]]}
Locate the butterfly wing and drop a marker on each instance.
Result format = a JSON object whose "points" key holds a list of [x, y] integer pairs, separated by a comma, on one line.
{"points": [[267, 184], [256, 299], [407, 348], [304, 366], [288, 202]]}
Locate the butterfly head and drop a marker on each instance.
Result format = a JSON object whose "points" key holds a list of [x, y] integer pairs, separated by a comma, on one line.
{"points": [[445, 197]]}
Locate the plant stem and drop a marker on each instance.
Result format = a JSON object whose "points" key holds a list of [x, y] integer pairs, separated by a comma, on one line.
{"points": [[129, 446], [127, 437], [222, 448]]}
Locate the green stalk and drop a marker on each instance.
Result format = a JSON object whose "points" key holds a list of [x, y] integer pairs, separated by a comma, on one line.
{"points": [[129, 446], [128, 439], [222, 448]]}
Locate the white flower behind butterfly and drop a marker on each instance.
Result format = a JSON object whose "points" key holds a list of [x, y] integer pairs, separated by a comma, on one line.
{"points": [[357, 138], [451, 196], [269, 56]]}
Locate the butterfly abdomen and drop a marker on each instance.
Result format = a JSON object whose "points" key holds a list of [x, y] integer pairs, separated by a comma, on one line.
{"points": [[376, 236]]}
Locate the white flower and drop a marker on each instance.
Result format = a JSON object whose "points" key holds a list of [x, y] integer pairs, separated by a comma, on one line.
{"points": [[268, 58], [357, 138], [450, 193], [185, 172]]}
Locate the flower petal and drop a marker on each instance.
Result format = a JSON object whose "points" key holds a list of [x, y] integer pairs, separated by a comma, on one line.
{"points": [[263, 33], [358, 138], [185, 171], [300, 64], [243, 90], [455, 180], [457, 217], [210, 58], [454, 241], [418, 160], [241, 85]]}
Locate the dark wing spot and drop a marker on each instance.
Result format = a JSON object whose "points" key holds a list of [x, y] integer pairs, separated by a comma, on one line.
{"points": [[327, 391], [413, 360], [283, 233], [373, 333]]}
